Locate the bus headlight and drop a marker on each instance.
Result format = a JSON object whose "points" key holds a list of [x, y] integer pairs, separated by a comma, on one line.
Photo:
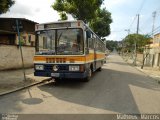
{"points": [[73, 68], [39, 67]]}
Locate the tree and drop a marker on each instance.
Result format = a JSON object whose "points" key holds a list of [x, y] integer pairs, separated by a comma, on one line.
{"points": [[5, 5], [111, 45], [101, 23], [79, 9], [87, 10], [141, 41], [63, 16]]}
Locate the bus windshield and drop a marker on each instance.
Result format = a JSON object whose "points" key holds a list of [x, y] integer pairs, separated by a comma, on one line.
{"points": [[67, 41]]}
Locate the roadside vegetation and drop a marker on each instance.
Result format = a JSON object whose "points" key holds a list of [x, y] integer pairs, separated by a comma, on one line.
{"points": [[139, 40], [111, 45], [135, 47]]}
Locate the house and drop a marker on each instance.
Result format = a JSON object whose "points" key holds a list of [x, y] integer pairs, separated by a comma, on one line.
{"points": [[10, 57], [8, 31], [154, 51]]}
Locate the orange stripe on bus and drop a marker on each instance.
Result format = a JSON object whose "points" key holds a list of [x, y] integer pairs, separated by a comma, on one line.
{"points": [[39, 58], [88, 57]]}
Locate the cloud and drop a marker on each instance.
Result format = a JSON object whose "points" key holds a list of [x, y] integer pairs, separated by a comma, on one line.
{"points": [[114, 3], [18, 10], [36, 10], [21, 9]]}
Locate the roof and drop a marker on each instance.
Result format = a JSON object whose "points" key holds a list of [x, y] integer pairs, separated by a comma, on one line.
{"points": [[9, 18], [9, 25], [157, 34]]}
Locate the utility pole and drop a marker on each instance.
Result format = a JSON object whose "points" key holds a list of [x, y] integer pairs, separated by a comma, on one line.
{"points": [[18, 31], [135, 43], [154, 16], [137, 24]]}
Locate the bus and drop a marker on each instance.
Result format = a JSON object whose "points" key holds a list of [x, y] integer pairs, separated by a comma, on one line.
{"points": [[67, 50]]}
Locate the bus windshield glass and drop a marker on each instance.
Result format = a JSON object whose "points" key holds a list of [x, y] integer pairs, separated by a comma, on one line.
{"points": [[67, 41]]}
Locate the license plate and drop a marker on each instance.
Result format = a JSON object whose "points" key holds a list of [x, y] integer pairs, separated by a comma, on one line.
{"points": [[54, 74]]}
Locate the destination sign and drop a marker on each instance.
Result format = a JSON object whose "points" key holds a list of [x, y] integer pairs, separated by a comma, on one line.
{"points": [[57, 25]]}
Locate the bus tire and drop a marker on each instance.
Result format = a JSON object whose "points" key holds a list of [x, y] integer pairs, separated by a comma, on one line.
{"points": [[88, 76], [56, 80], [99, 69]]}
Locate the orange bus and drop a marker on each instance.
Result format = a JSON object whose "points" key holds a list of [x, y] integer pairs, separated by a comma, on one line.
{"points": [[67, 49]]}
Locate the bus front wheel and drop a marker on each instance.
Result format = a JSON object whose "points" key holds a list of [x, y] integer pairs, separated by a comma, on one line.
{"points": [[99, 69], [89, 74]]}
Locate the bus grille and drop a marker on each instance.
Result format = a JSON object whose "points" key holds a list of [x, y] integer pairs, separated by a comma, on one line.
{"points": [[55, 60], [61, 68]]}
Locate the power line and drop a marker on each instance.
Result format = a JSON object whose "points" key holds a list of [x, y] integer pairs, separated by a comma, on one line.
{"points": [[154, 31], [148, 19], [145, 22], [138, 12], [132, 22], [141, 6], [154, 16]]}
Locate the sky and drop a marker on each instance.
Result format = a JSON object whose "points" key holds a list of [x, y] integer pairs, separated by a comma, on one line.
{"points": [[124, 15]]}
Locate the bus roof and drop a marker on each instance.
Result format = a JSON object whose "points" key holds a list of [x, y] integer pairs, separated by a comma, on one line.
{"points": [[62, 21], [59, 24]]}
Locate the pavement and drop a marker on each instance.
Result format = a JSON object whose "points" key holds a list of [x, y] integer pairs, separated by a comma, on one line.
{"points": [[13, 80], [153, 72]]}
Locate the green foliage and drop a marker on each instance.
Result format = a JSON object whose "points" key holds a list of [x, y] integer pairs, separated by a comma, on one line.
{"points": [[111, 45], [63, 16], [87, 10], [5, 5], [79, 9], [101, 23], [140, 40]]}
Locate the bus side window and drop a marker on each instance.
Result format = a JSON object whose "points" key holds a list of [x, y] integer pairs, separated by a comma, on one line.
{"points": [[96, 44], [90, 43], [90, 39], [94, 41], [88, 35]]}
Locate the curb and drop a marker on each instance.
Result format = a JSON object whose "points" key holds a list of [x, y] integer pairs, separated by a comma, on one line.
{"points": [[157, 78], [21, 88]]}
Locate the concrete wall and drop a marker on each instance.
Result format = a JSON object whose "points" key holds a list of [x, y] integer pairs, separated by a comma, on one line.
{"points": [[10, 57]]}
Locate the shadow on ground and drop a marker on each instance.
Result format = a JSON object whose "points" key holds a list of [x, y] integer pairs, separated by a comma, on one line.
{"points": [[109, 92]]}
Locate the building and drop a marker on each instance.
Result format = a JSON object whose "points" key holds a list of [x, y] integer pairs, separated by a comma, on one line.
{"points": [[8, 31], [10, 57], [154, 52]]}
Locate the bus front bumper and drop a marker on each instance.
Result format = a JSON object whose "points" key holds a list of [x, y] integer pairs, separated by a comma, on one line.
{"points": [[74, 75]]}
